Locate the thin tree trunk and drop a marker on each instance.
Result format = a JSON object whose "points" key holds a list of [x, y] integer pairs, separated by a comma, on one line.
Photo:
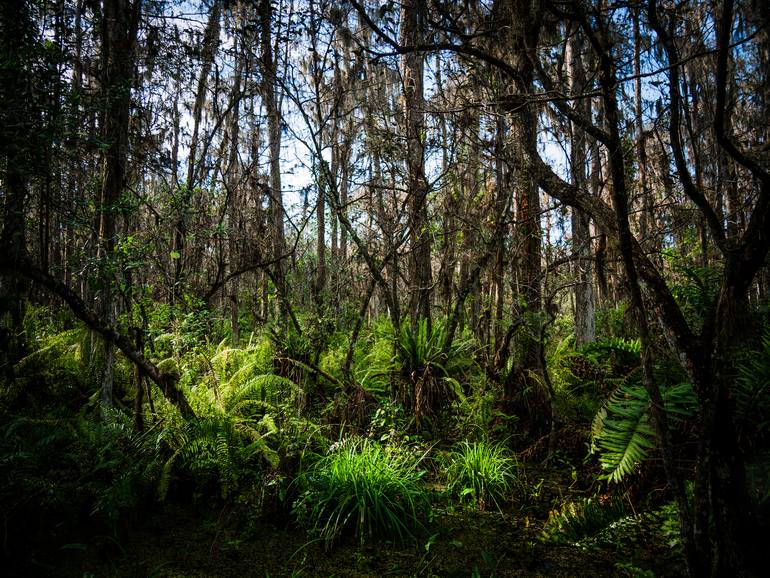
{"points": [[270, 100], [232, 177], [210, 44], [120, 21], [585, 328], [412, 16]]}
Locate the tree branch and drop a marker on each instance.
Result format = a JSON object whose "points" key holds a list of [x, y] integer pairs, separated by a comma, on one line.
{"points": [[167, 382]]}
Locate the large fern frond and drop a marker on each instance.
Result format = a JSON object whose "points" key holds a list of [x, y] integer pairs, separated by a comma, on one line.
{"points": [[264, 391], [622, 431]]}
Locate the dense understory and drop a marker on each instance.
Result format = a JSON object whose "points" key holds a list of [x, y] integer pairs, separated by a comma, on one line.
{"points": [[290, 470]]}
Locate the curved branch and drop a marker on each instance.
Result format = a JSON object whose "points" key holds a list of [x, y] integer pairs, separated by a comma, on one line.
{"points": [[690, 188], [462, 49], [723, 49], [167, 382]]}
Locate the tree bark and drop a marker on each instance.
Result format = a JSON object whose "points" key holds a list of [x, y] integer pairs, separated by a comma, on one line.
{"points": [[270, 100], [420, 275], [120, 23], [585, 309], [184, 197]]}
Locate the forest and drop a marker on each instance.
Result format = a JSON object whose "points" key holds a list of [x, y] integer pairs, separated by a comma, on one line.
{"points": [[393, 288]]}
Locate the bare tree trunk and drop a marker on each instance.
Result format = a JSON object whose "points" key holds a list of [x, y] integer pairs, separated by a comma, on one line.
{"points": [[232, 177], [16, 124], [585, 327], [120, 21], [210, 44], [270, 100], [412, 16]]}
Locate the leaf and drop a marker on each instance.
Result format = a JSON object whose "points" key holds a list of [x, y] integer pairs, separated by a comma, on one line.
{"points": [[622, 431], [175, 255]]}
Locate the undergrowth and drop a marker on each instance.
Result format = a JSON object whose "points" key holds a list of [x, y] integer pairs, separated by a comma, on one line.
{"points": [[363, 488], [482, 474]]}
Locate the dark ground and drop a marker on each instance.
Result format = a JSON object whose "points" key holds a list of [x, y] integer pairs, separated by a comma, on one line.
{"points": [[197, 541]]}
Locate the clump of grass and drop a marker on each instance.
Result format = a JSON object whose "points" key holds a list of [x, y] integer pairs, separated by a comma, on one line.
{"points": [[365, 488], [481, 473]]}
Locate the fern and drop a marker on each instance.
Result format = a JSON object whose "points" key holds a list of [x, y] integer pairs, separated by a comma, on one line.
{"points": [[582, 521], [752, 389], [265, 391], [622, 432]]}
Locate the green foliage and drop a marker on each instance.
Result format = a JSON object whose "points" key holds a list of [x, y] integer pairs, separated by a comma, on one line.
{"points": [[482, 473], [582, 378], [614, 322], [429, 373], [752, 391], [375, 369], [290, 343], [62, 356], [260, 394], [609, 522], [216, 451], [388, 423], [616, 355], [366, 488], [582, 521], [694, 287], [622, 432], [477, 414], [61, 472]]}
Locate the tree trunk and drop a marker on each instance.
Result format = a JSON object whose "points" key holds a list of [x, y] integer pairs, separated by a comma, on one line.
{"points": [[232, 177], [270, 100], [585, 327], [412, 16], [120, 22], [183, 198]]}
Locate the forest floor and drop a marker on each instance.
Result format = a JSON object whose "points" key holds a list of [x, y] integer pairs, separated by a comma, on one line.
{"points": [[198, 541]]}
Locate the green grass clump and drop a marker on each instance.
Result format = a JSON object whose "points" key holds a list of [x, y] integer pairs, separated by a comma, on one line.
{"points": [[365, 488], [481, 473]]}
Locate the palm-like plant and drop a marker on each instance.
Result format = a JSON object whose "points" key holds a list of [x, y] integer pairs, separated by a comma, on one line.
{"points": [[429, 369]]}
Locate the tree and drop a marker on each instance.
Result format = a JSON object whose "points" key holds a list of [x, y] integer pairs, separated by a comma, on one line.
{"points": [[710, 548], [120, 22], [411, 33]]}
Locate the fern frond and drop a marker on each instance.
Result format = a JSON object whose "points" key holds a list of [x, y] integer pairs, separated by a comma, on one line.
{"points": [[622, 432], [578, 521], [265, 390]]}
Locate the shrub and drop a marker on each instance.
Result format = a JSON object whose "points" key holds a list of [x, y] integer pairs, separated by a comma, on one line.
{"points": [[481, 472], [429, 370], [366, 488]]}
